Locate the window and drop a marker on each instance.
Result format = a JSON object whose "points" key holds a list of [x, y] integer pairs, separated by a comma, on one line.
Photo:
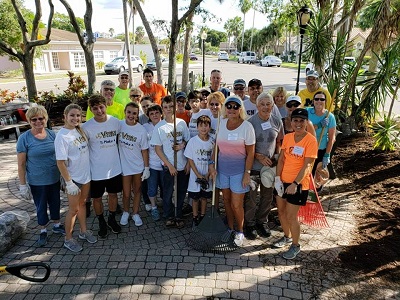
{"points": [[98, 54], [79, 60], [113, 54], [56, 62]]}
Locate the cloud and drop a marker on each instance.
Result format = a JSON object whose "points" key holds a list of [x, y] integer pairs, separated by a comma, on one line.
{"points": [[110, 4]]}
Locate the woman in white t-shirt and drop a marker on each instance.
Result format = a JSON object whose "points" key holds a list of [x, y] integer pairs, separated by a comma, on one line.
{"points": [[72, 154], [215, 102], [134, 156]]}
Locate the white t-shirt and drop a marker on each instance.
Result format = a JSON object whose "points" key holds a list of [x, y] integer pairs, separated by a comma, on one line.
{"points": [[193, 120], [213, 129], [251, 109], [131, 141], [163, 135], [155, 162], [73, 148], [200, 152], [103, 148]]}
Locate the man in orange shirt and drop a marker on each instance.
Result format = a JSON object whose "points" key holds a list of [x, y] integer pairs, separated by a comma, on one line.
{"points": [[152, 89]]}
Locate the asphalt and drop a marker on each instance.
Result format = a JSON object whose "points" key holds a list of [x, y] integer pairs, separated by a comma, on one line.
{"points": [[153, 262]]}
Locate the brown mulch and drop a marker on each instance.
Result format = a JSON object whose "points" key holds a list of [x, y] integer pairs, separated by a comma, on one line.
{"points": [[375, 178]]}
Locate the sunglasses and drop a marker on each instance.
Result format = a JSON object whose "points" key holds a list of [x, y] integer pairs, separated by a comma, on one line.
{"points": [[232, 106], [214, 104], [239, 88], [292, 104], [319, 99], [108, 89], [37, 119], [134, 96]]}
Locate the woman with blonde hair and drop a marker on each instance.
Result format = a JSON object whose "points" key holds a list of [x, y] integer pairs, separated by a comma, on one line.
{"points": [[280, 95], [72, 154], [215, 102], [38, 173]]}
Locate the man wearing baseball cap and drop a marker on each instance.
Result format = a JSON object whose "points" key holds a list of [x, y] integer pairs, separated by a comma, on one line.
{"points": [[313, 86], [239, 89]]}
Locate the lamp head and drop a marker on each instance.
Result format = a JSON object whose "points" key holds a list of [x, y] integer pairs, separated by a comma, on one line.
{"points": [[303, 17], [204, 35]]}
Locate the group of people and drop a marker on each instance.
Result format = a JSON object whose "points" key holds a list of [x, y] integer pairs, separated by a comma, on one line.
{"points": [[255, 147]]}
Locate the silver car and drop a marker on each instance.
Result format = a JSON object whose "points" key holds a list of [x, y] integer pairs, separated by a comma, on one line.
{"points": [[120, 64], [270, 60]]}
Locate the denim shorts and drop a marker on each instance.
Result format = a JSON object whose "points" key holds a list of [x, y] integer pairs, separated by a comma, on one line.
{"points": [[46, 196], [232, 182], [112, 186]]}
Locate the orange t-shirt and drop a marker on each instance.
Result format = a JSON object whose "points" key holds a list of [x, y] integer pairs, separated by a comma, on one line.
{"points": [[156, 91], [184, 116], [295, 155]]}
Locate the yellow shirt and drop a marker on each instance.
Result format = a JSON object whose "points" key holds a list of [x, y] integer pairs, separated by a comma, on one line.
{"points": [[116, 110], [122, 96], [307, 96]]}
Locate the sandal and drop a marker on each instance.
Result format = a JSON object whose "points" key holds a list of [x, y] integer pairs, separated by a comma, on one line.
{"points": [[170, 223], [179, 223]]}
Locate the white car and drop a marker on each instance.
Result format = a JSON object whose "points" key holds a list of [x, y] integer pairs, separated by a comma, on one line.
{"points": [[152, 65], [120, 64], [270, 60], [223, 55], [247, 57]]}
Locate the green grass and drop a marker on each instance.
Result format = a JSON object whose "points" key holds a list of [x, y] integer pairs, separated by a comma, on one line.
{"points": [[13, 76], [293, 65]]}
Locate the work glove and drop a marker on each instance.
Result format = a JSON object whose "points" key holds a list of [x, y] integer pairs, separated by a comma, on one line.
{"points": [[253, 185], [25, 191], [71, 188], [279, 186], [146, 173], [324, 123], [326, 160]]}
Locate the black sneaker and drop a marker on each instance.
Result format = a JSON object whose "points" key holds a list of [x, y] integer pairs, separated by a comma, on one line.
{"points": [[251, 233], [113, 225], [263, 230], [187, 210], [88, 204], [103, 230], [195, 222], [119, 210]]}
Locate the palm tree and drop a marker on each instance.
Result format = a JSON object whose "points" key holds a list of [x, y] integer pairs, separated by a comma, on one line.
{"points": [[245, 6], [139, 33]]}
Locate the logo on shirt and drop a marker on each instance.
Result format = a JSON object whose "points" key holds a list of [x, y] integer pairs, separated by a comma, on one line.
{"points": [[106, 134]]}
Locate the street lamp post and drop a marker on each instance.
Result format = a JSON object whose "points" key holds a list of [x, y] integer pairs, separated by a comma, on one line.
{"points": [[203, 39], [303, 17]]}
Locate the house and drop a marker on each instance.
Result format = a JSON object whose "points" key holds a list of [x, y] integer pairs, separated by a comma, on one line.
{"points": [[64, 52]]}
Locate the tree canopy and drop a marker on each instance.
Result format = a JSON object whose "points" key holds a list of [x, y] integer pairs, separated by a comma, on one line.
{"points": [[62, 21]]}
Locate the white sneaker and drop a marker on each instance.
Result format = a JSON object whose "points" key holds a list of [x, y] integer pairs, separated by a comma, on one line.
{"points": [[138, 221], [239, 237], [124, 219], [148, 207]]}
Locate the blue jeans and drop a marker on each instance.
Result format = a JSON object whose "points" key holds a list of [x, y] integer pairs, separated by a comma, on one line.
{"points": [[153, 182], [168, 183], [44, 195]]}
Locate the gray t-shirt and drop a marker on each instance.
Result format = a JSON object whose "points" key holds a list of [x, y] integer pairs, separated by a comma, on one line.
{"points": [[267, 133]]}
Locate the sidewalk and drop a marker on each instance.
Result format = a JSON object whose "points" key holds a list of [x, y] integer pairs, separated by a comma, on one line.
{"points": [[152, 262]]}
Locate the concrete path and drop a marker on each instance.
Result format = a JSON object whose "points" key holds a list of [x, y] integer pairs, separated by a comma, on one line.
{"points": [[152, 262]]}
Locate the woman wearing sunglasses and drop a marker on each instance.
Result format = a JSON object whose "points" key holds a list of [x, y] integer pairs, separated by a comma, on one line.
{"points": [[236, 144], [38, 173], [324, 123], [292, 103]]}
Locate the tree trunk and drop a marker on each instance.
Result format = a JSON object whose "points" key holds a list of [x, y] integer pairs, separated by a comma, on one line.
{"points": [[27, 64], [187, 43], [90, 68], [172, 47]]}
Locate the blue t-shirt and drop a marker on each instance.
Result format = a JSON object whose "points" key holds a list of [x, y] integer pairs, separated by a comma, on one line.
{"points": [[41, 164], [316, 120]]}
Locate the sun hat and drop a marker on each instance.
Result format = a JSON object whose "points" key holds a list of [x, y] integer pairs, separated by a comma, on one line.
{"points": [[235, 99], [300, 113], [293, 98], [267, 175]]}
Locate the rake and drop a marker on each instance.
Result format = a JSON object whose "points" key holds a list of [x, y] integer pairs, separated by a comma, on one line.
{"points": [[212, 235]]}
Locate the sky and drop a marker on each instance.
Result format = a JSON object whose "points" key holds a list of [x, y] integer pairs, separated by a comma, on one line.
{"points": [[109, 14]]}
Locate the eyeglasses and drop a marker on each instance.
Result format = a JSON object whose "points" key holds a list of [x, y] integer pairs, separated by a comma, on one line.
{"points": [[238, 88], [108, 89], [134, 96], [234, 106], [319, 99], [214, 104], [37, 119], [292, 104]]}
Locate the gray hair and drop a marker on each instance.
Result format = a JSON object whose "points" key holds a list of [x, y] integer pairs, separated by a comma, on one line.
{"points": [[265, 95], [108, 82]]}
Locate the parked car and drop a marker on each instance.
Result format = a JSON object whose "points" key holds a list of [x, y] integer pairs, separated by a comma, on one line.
{"points": [[120, 64], [223, 55], [248, 57], [193, 56], [270, 60], [152, 65]]}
